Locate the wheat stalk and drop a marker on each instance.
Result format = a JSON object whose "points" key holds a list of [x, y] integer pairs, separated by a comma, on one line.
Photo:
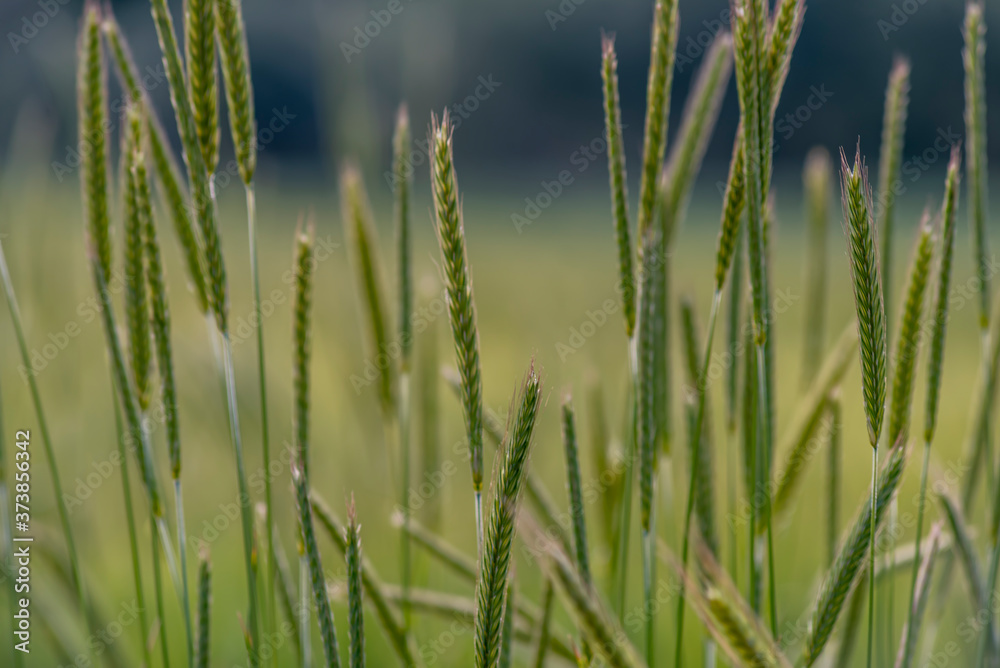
{"points": [[918, 602], [833, 472], [816, 179], [450, 228], [548, 596], [200, 58], [494, 567], [897, 99]]}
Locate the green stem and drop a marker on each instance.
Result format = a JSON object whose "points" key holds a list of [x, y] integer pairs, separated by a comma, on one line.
{"points": [[987, 443], [984, 645], [626, 521], [764, 447], [140, 596], [43, 425], [648, 577], [182, 549], [871, 556], [404, 453], [158, 589], [911, 621], [692, 482], [245, 510], [304, 613], [265, 437]]}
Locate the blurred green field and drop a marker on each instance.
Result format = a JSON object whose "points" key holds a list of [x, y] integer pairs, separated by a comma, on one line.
{"points": [[533, 288]]}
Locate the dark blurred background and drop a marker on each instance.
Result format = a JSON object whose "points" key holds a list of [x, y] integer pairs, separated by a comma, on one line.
{"points": [[337, 69]]}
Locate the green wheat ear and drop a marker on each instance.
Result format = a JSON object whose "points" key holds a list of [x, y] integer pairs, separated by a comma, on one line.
{"points": [[171, 187], [137, 211], [201, 195], [92, 97], [658, 87], [862, 245], [908, 339], [303, 268], [239, 89], [574, 486], [935, 357], [359, 227], [897, 99], [841, 578], [199, 51], [204, 609], [354, 589], [619, 182], [974, 58], [498, 541], [450, 228]]}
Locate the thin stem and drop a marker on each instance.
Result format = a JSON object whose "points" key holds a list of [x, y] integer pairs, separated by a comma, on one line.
{"points": [[182, 549], [648, 577], [692, 482], [404, 452], [245, 511], [43, 425], [911, 621], [763, 444], [987, 444], [304, 615], [158, 589], [626, 521], [265, 437], [140, 596], [871, 556], [984, 645]]}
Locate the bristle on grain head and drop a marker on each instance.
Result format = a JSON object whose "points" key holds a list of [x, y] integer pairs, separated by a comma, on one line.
{"points": [[239, 88], [450, 229], [92, 136], [862, 252]]}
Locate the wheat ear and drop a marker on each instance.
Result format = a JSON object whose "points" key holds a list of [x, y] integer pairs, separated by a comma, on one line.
{"points": [[204, 610], [494, 567], [171, 187], [897, 99], [202, 68], [356, 614], [450, 228]]}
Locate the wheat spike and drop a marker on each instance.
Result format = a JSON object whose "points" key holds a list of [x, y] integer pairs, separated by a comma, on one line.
{"points": [[935, 357], [356, 615], [239, 89], [92, 96], [908, 339], [494, 567], [862, 242], [619, 182], [200, 58]]}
